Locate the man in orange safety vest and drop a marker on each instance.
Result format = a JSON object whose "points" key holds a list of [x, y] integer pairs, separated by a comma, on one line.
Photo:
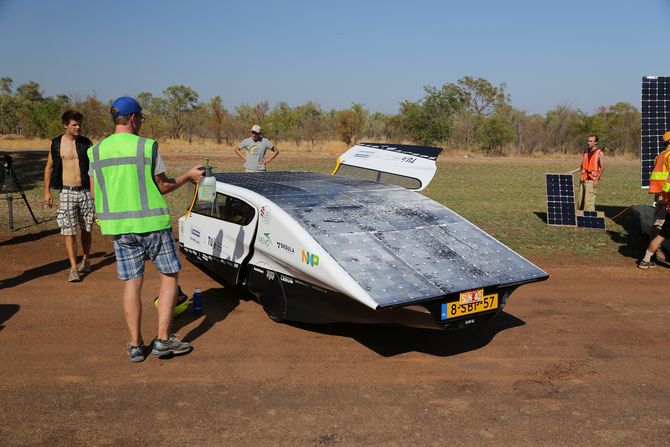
{"points": [[592, 170], [660, 187]]}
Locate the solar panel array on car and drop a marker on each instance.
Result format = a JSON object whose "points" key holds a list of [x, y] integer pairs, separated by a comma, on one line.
{"points": [[399, 245], [655, 121], [561, 200]]}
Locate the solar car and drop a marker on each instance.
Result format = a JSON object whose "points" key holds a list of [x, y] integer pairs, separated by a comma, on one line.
{"points": [[362, 245]]}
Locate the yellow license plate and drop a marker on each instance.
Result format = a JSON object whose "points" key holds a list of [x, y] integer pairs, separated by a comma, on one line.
{"points": [[456, 309]]}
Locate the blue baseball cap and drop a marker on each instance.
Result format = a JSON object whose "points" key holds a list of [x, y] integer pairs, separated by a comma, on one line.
{"points": [[125, 105]]}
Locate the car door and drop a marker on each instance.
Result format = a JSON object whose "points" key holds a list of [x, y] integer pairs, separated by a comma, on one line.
{"points": [[222, 233]]}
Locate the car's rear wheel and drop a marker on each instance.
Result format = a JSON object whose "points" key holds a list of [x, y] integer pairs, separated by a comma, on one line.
{"points": [[274, 317]]}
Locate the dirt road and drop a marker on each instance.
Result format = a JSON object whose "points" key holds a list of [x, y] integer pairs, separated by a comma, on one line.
{"points": [[581, 359]]}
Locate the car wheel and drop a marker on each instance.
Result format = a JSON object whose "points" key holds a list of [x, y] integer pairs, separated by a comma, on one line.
{"points": [[275, 318]]}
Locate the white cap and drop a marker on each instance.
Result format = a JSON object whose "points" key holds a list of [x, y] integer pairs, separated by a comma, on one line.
{"points": [[256, 128]]}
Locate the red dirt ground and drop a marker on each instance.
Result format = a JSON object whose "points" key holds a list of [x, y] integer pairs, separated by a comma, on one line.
{"points": [[572, 361]]}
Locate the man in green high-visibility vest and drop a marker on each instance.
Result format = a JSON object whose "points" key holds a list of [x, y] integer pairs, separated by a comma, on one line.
{"points": [[127, 183]]}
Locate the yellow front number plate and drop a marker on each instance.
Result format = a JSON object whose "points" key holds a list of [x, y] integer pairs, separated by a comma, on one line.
{"points": [[455, 309]]}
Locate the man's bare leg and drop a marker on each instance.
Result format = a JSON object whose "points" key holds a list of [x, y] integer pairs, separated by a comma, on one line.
{"points": [[132, 308], [71, 248], [654, 245], [86, 243], [166, 300]]}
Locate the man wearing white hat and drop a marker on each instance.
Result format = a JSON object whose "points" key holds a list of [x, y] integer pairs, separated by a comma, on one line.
{"points": [[255, 150]]}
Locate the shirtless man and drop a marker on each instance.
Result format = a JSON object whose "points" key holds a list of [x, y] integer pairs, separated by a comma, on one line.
{"points": [[67, 170]]}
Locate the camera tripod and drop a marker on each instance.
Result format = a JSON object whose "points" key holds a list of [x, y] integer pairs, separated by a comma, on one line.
{"points": [[7, 173]]}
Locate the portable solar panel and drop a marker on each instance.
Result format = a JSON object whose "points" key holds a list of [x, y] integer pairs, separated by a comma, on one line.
{"points": [[560, 200], [655, 121], [590, 219]]}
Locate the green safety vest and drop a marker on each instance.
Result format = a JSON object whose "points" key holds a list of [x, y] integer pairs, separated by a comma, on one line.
{"points": [[126, 198]]}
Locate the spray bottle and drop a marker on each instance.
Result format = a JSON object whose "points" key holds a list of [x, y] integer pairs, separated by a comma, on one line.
{"points": [[207, 186]]}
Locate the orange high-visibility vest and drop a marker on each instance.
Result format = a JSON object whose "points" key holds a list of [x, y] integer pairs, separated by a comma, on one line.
{"points": [[590, 165], [660, 173]]}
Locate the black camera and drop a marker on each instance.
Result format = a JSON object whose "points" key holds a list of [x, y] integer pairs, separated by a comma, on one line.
{"points": [[6, 161]]}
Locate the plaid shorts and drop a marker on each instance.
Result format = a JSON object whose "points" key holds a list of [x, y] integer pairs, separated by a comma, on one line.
{"points": [[132, 249], [75, 208]]}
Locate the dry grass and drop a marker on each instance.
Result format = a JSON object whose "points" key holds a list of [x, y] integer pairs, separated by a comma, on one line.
{"points": [[330, 147]]}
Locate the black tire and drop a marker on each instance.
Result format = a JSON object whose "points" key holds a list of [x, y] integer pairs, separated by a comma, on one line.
{"points": [[275, 318]]}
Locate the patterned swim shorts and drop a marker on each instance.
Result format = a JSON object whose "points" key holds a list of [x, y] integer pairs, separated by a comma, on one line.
{"points": [[132, 249], [75, 208]]}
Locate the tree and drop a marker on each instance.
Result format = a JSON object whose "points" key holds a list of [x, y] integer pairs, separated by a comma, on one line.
{"points": [[430, 120], [219, 120], [157, 125], [9, 118], [493, 133], [260, 111], [6, 86], [618, 127], [376, 127], [531, 134], [243, 120], [346, 123], [29, 92], [564, 129], [46, 117], [28, 97], [281, 121], [97, 120], [350, 123], [481, 96], [481, 99], [311, 123], [195, 122], [180, 101]]}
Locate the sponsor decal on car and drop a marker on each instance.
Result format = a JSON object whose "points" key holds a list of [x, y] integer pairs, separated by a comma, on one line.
{"points": [[214, 243], [310, 259], [265, 239], [286, 279], [285, 247], [195, 235], [266, 213]]}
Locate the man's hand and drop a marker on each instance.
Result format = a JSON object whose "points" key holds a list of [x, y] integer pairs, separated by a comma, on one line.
{"points": [[595, 183], [48, 200], [196, 173]]}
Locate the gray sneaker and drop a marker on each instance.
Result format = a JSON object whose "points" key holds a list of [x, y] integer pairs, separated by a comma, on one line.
{"points": [[137, 353], [171, 346], [644, 265], [74, 275], [85, 266]]}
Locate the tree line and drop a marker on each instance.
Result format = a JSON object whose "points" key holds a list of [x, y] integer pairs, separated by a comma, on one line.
{"points": [[471, 114]]}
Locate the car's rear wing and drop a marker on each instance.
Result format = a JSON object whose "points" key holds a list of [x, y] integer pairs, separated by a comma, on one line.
{"points": [[411, 167]]}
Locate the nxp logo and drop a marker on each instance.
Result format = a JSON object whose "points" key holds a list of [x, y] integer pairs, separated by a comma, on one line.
{"points": [[310, 258]]}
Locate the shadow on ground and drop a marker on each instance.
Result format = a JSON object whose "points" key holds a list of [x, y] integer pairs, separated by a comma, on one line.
{"points": [[542, 216], [217, 304], [634, 219], [636, 222], [55, 267], [389, 341], [7, 311], [30, 237]]}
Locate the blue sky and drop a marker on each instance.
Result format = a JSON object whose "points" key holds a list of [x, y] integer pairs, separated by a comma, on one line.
{"points": [[583, 54]]}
